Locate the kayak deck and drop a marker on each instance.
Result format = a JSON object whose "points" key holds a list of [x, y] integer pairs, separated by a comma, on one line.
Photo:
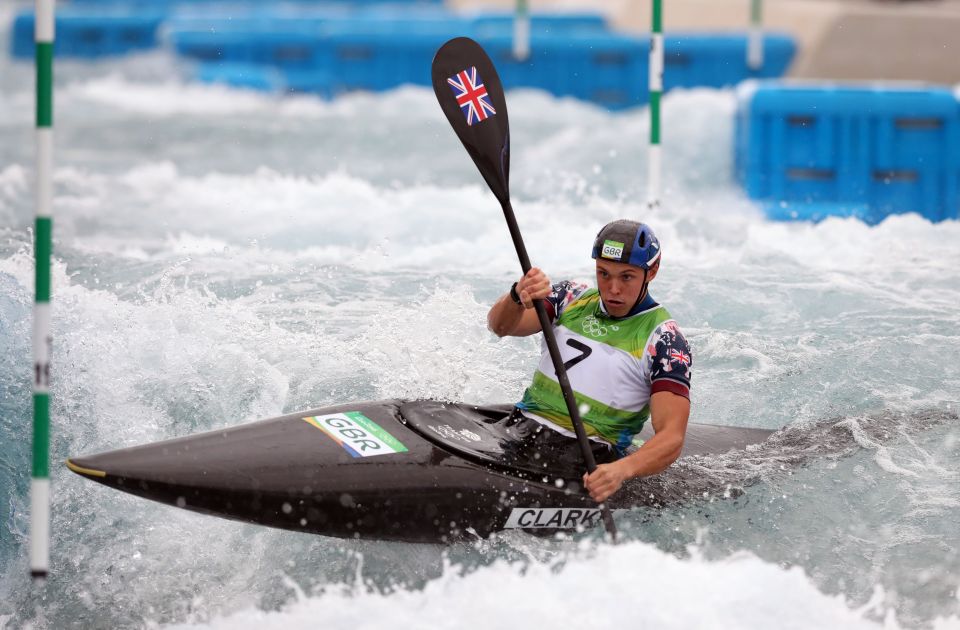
{"points": [[426, 471]]}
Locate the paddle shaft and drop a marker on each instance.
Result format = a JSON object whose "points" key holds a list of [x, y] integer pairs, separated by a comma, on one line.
{"points": [[547, 327], [551, 339]]}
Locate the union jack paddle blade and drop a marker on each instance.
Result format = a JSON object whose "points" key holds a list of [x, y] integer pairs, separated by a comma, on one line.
{"points": [[469, 93]]}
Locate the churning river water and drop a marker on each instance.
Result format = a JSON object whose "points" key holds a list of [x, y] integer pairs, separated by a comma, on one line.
{"points": [[223, 256]]}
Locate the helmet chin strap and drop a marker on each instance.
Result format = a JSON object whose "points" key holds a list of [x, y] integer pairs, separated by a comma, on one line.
{"points": [[643, 290]]}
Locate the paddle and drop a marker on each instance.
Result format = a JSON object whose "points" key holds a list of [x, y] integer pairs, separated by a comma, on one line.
{"points": [[469, 92]]}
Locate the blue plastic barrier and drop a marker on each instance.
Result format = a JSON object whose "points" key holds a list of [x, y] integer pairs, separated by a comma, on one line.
{"points": [[284, 50], [386, 21], [493, 24], [610, 70], [265, 78], [817, 151], [222, 6], [720, 60], [363, 61], [243, 75], [605, 68], [377, 47], [88, 36]]}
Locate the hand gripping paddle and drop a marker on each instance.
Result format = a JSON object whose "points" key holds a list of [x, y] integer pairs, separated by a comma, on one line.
{"points": [[469, 92]]}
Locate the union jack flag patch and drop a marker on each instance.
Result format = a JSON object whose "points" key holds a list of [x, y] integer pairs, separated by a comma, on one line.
{"points": [[471, 95], [679, 356]]}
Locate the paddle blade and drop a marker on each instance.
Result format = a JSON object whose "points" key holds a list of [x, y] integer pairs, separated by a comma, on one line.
{"points": [[469, 92]]}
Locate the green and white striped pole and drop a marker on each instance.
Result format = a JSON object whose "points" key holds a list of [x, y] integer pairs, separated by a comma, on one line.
{"points": [[755, 41], [42, 340], [656, 90], [521, 31]]}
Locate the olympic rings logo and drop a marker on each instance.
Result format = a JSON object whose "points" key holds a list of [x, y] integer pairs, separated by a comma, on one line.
{"points": [[594, 328]]}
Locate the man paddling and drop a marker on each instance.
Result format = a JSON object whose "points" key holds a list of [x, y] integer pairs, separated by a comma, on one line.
{"points": [[625, 356]]}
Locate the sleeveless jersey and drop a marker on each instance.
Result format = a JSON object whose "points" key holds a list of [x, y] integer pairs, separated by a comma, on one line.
{"points": [[614, 365]]}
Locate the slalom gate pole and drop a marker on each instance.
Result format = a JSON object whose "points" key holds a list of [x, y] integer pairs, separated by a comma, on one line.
{"points": [[521, 31], [755, 41], [42, 340], [656, 90]]}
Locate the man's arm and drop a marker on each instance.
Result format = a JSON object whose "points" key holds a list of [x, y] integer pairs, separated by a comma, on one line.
{"points": [[507, 318], [669, 413]]}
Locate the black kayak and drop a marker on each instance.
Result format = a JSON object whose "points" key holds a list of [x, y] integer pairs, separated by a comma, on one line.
{"points": [[417, 471]]}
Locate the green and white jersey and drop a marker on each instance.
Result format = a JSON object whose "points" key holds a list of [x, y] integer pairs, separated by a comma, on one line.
{"points": [[614, 365]]}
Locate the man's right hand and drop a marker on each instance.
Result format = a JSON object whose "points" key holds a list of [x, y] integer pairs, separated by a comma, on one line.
{"points": [[507, 318], [534, 285]]}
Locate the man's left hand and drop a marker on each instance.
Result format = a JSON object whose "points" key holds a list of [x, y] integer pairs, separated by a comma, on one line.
{"points": [[605, 480]]}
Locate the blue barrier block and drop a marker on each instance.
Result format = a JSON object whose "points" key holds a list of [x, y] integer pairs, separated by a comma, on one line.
{"points": [[22, 36], [316, 82], [610, 70], [379, 49], [88, 36], [264, 78], [320, 25], [363, 61], [242, 75], [501, 23], [232, 5], [349, 43], [237, 7], [354, 61], [447, 26], [386, 20], [196, 26], [706, 60], [286, 50], [868, 152]]}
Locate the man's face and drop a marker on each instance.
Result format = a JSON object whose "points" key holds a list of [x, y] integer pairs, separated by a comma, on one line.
{"points": [[620, 285]]}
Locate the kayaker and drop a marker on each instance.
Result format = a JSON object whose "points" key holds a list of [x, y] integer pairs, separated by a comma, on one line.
{"points": [[625, 356]]}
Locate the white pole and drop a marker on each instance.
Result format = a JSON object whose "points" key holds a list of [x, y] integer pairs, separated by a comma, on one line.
{"points": [[755, 41], [656, 90], [42, 340], [521, 31]]}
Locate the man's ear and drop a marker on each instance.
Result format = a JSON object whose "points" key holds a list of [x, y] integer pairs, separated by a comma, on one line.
{"points": [[652, 272]]}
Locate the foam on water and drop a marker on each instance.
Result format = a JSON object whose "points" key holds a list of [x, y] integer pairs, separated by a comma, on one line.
{"points": [[597, 588], [224, 256]]}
